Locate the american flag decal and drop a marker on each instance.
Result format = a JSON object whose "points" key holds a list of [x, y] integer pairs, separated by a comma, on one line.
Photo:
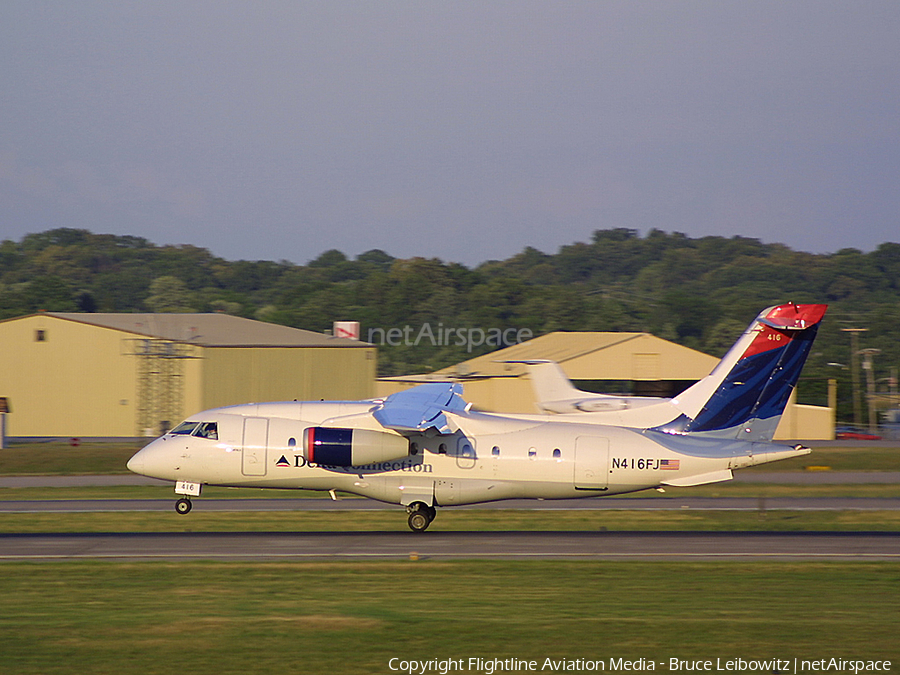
{"points": [[670, 464]]}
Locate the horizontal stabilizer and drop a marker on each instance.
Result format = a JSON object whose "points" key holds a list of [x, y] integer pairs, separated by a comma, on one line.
{"points": [[702, 479]]}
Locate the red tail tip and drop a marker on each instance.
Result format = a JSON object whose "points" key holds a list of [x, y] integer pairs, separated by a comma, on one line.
{"points": [[795, 316]]}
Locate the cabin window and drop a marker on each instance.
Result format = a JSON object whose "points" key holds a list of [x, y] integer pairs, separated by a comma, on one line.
{"points": [[557, 454], [414, 448], [532, 453], [442, 449], [495, 451], [40, 336]]}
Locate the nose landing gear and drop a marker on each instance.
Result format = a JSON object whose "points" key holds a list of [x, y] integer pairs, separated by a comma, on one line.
{"points": [[420, 516], [186, 490]]}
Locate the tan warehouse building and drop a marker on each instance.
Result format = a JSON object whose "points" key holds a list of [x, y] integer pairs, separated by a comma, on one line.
{"points": [[121, 375], [636, 363]]}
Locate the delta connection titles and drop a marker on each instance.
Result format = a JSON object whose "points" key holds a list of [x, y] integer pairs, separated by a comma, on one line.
{"points": [[673, 665]]}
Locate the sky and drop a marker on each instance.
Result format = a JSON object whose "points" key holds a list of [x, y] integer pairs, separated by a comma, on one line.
{"points": [[463, 130]]}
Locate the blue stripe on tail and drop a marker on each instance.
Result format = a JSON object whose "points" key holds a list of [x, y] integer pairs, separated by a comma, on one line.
{"points": [[758, 387]]}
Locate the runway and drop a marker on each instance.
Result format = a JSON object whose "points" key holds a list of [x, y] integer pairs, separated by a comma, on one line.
{"points": [[290, 502], [409, 546], [436, 545]]}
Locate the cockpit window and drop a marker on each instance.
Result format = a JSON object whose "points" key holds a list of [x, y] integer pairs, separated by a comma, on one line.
{"points": [[199, 429], [208, 430], [185, 428]]}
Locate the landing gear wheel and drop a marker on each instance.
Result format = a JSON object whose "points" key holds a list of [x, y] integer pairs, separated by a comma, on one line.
{"points": [[183, 506], [419, 521], [420, 516]]}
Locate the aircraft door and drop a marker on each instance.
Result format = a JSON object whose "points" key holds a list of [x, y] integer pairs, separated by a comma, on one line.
{"points": [[591, 462], [256, 442]]}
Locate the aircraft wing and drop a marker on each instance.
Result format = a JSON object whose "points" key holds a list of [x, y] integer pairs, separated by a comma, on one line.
{"points": [[422, 408]]}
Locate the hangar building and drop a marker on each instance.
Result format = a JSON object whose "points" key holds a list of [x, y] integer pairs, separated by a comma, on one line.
{"points": [[123, 375], [620, 363]]}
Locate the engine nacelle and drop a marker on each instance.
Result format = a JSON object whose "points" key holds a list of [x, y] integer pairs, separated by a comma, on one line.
{"points": [[352, 447]]}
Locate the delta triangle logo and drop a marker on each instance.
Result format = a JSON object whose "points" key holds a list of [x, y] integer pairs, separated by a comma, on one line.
{"points": [[282, 462]]}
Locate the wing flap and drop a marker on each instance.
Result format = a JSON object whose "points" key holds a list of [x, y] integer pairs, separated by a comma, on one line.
{"points": [[422, 408]]}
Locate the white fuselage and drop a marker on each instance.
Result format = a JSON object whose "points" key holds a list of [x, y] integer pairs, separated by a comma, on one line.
{"points": [[489, 457]]}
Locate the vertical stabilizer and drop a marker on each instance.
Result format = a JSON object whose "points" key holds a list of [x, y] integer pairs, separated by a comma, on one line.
{"points": [[551, 384], [745, 395]]}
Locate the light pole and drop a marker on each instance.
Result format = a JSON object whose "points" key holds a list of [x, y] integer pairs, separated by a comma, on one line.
{"points": [[832, 393], [869, 367], [854, 371]]}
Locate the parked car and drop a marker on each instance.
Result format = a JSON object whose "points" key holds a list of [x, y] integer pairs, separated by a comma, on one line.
{"points": [[854, 434]]}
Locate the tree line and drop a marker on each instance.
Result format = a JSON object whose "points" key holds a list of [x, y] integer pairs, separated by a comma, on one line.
{"points": [[698, 292]]}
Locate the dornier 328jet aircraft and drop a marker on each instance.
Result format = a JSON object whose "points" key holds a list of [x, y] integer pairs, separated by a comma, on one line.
{"points": [[425, 447]]}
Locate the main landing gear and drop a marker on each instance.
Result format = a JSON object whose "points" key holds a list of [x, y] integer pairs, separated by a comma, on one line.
{"points": [[420, 516], [183, 506]]}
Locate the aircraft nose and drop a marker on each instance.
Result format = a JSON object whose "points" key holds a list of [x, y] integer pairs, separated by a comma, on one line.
{"points": [[155, 460], [136, 463]]}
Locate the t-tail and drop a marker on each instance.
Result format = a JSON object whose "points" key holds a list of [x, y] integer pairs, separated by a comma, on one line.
{"points": [[744, 397]]}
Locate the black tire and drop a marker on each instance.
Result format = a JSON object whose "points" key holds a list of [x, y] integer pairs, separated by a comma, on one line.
{"points": [[183, 506], [419, 520]]}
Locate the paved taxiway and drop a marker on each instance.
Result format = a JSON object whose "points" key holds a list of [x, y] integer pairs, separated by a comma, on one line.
{"points": [[457, 545], [291, 503], [684, 546]]}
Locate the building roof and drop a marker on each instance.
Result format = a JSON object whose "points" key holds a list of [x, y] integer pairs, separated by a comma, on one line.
{"points": [[209, 330], [586, 356], [558, 346]]}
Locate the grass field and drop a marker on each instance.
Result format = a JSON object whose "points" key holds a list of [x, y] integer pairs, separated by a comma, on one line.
{"points": [[62, 459], [148, 618], [455, 520], [286, 618]]}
